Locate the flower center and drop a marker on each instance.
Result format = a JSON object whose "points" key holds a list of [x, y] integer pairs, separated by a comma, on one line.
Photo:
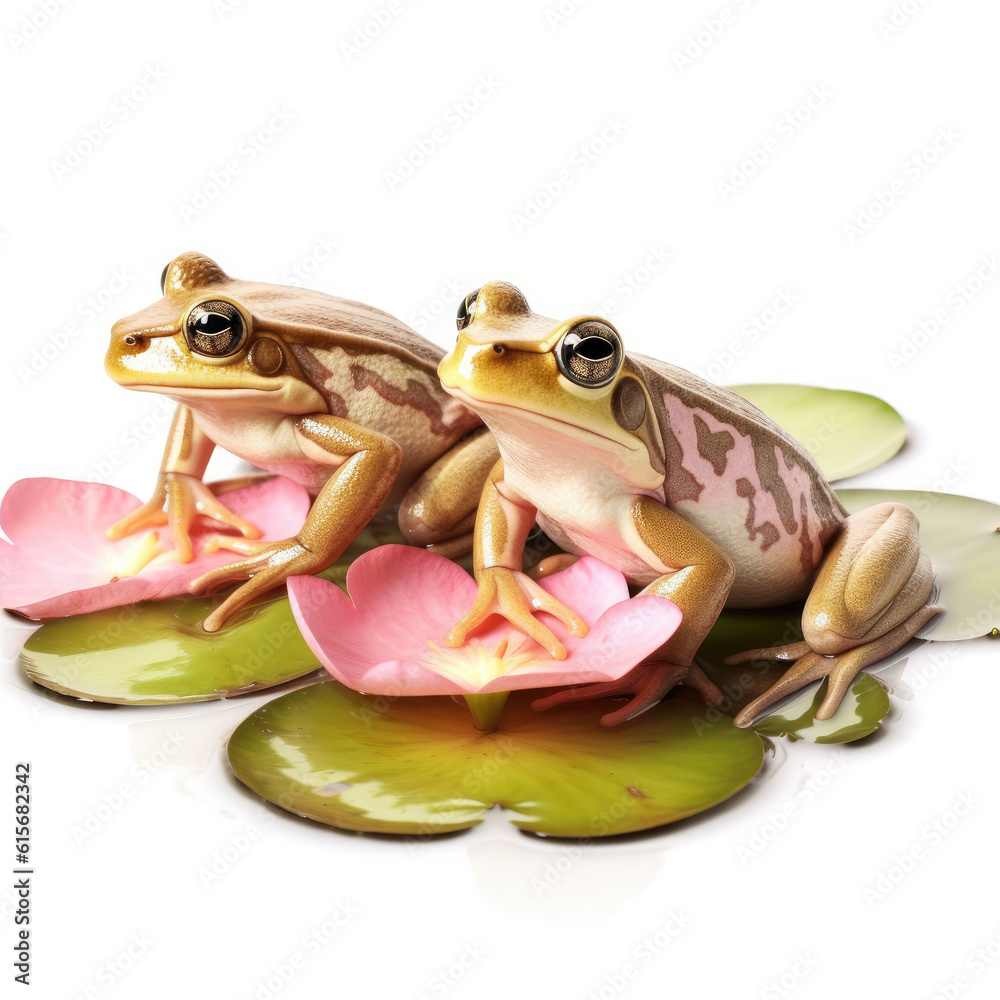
{"points": [[134, 559]]}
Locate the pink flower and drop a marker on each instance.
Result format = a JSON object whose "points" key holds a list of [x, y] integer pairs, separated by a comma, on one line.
{"points": [[390, 640], [59, 560]]}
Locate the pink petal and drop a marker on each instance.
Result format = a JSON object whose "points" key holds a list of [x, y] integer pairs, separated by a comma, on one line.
{"points": [[277, 506], [52, 513], [625, 635], [404, 598], [589, 587], [59, 563]]}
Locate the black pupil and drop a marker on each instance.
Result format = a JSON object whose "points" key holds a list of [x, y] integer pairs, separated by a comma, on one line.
{"points": [[594, 349], [212, 323]]}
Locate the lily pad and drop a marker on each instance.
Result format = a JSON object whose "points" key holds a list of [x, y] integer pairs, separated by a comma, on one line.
{"points": [[846, 432], [960, 536], [860, 713], [156, 652], [417, 766]]}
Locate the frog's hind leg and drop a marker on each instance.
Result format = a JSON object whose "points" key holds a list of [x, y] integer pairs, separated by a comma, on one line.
{"points": [[869, 599], [439, 509]]}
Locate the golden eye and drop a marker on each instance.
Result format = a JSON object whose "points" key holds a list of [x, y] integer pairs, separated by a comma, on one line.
{"points": [[589, 354], [499, 348], [215, 330], [467, 310]]}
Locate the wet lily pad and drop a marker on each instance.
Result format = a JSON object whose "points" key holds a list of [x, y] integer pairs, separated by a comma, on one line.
{"points": [[846, 432], [156, 652], [861, 712], [960, 536], [417, 766]]}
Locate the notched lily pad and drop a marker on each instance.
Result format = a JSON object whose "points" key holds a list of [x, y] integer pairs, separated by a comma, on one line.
{"points": [[960, 536], [861, 712], [156, 652], [417, 766], [846, 432]]}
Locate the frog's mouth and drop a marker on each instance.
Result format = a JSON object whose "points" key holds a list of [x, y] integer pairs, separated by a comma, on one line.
{"points": [[533, 416]]}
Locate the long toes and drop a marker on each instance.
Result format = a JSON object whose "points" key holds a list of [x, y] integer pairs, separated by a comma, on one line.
{"points": [[809, 668], [586, 692], [697, 679], [639, 704], [841, 677], [792, 651]]}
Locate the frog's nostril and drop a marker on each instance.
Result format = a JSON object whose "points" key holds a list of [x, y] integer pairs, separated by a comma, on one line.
{"points": [[136, 341]]}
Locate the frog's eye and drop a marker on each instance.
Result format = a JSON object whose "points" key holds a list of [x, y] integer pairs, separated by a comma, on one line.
{"points": [[589, 354], [215, 330], [466, 310], [163, 279]]}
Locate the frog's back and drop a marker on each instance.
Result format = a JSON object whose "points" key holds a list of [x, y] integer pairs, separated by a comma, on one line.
{"points": [[369, 367], [744, 482]]}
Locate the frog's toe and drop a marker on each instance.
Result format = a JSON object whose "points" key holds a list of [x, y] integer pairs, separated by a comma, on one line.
{"points": [[808, 668], [790, 652]]}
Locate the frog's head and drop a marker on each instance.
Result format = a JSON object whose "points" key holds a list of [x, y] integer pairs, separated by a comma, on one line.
{"points": [[210, 335], [572, 377]]}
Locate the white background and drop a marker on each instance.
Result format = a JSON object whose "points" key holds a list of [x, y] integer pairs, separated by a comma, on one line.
{"points": [[99, 222]]}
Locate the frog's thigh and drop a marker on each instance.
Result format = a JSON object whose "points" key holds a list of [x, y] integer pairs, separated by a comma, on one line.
{"points": [[872, 579], [442, 503]]}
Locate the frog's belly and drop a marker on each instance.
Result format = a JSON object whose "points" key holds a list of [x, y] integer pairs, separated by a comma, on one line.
{"points": [[268, 441]]}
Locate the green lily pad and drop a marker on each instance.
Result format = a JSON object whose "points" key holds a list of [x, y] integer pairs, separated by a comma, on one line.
{"points": [[860, 713], [846, 432], [156, 652], [417, 766], [960, 536]]}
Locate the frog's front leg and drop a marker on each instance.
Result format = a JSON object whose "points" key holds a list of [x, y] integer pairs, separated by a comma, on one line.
{"points": [[439, 508], [180, 488], [502, 526], [697, 577], [869, 598], [365, 467]]}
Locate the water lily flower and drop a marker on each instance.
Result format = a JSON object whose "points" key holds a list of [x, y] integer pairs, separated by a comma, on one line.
{"points": [[388, 637], [59, 560]]}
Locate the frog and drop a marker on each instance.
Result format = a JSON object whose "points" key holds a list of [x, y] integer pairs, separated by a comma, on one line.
{"points": [[336, 395], [686, 488]]}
